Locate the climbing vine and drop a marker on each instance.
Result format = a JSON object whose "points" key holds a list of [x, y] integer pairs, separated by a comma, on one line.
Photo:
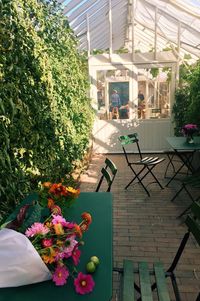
{"points": [[45, 113]]}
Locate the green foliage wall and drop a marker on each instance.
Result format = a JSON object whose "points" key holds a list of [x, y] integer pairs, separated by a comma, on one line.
{"points": [[45, 114], [187, 98]]}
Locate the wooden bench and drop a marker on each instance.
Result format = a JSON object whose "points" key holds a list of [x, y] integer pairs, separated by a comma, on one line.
{"points": [[148, 287]]}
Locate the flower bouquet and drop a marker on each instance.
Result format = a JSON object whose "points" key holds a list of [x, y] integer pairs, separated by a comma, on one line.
{"points": [[48, 248], [53, 194], [188, 131]]}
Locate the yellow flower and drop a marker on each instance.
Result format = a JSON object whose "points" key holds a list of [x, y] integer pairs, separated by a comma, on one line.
{"points": [[49, 258], [58, 229], [71, 190]]}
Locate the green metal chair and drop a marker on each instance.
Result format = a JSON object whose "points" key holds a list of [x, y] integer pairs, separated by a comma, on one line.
{"points": [[192, 181], [108, 174], [147, 164], [159, 285]]}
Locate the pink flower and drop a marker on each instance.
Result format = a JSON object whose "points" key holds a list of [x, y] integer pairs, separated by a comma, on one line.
{"points": [[189, 129], [47, 242], [76, 255], [84, 283], [36, 228], [70, 225], [70, 244], [58, 219], [60, 275]]}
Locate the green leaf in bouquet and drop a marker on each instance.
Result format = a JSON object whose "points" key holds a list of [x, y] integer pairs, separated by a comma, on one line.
{"points": [[34, 214], [45, 213], [30, 199], [18, 221]]}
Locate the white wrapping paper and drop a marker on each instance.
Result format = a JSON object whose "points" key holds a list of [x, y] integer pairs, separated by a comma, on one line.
{"points": [[20, 264]]}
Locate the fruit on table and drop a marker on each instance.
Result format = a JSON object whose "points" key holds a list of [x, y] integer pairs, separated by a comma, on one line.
{"points": [[95, 259], [90, 267]]}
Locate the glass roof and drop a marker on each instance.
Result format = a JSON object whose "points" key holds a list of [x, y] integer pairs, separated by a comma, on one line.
{"points": [[173, 16]]}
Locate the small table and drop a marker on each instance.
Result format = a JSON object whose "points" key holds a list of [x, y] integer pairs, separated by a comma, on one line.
{"points": [[184, 151], [98, 241]]}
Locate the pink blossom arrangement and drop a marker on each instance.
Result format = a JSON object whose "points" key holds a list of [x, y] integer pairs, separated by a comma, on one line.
{"points": [[57, 241], [189, 129]]}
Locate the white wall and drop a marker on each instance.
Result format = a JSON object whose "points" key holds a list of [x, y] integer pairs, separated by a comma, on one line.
{"points": [[152, 134]]}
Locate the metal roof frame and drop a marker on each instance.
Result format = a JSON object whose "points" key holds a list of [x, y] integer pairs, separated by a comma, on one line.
{"points": [[176, 23]]}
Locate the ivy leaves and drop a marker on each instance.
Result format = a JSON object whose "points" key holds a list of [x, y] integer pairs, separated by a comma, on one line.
{"points": [[43, 94]]}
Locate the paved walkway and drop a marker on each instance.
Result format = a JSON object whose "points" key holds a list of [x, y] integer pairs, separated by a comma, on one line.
{"points": [[146, 228]]}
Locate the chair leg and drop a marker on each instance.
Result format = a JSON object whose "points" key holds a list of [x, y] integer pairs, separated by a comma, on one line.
{"points": [[175, 287], [179, 191], [139, 179], [150, 170]]}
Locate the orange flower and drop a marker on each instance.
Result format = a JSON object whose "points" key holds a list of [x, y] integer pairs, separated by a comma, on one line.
{"points": [[58, 189], [50, 203], [87, 217], [47, 184], [77, 230], [58, 229], [84, 227], [49, 258], [56, 210]]}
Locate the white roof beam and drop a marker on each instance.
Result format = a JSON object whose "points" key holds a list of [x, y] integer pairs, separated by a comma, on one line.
{"points": [[172, 17], [83, 9]]}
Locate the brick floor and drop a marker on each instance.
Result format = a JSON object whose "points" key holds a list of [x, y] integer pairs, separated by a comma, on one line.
{"points": [[147, 228]]}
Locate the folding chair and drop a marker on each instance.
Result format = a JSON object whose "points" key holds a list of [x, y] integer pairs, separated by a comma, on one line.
{"points": [[108, 174], [147, 164], [155, 279], [192, 181]]}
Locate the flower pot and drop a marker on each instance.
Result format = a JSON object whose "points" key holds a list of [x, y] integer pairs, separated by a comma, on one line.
{"points": [[189, 140]]}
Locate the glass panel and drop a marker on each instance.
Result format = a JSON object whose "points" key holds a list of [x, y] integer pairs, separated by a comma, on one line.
{"points": [[113, 94], [154, 93], [153, 86]]}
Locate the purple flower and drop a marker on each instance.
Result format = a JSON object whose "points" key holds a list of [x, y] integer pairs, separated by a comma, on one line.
{"points": [[189, 129]]}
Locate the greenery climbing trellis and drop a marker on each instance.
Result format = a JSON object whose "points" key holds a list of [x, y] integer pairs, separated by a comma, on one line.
{"points": [[45, 114], [187, 98]]}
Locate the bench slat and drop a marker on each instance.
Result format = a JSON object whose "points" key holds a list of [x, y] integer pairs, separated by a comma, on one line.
{"points": [[161, 282], [128, 281], [145, 283]]}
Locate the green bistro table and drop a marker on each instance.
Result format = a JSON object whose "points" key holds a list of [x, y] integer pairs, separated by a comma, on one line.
{"points": [[98, 241], [185, 151]]}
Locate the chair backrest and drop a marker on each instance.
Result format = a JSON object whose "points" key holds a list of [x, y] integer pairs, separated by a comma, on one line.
{"points": [[130, 139], [108, 173], [193, 221]]}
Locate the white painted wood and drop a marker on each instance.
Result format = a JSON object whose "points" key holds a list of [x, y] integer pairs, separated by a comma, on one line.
{"points": [[178, 50], [82, 9], [152, 134], [133, 30], [156, 33], [110, 26], [152, 131], [88, 35]]}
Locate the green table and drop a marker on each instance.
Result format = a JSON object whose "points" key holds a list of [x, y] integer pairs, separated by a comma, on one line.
{"points": [[184, 151], [98, 241]]}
